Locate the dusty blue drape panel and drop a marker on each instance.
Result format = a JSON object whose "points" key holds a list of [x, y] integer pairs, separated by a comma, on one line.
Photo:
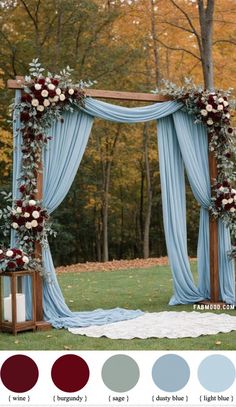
{"points": [[61, 160], [174, 213], [193, 143]]}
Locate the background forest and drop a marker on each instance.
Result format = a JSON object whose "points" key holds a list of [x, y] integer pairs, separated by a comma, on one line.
{"points": [[113, 210]]}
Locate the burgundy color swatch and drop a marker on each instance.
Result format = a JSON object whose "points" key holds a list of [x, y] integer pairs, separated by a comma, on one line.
{"points": [[70, 373], [19, 373]]}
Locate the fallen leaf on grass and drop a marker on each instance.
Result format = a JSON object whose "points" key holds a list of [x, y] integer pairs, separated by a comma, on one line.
{"points": [[218, 343], [49, 336], [71, 300], [16, 342], [67, 347]]}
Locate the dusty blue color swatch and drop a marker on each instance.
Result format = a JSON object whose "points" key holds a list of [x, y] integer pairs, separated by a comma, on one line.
{"points": [[120, 373], [216, 373], [170, 373]]}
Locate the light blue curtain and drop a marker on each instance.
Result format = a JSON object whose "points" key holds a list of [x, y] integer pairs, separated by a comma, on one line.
{"points": [[180, 143], [61, 160], [193, 141]]}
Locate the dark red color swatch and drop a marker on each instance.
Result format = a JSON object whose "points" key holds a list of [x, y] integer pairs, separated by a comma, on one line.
{"points": [[70, 373], [19, 373]]}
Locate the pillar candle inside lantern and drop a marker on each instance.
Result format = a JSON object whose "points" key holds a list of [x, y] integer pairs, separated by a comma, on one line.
{"points": [[20, 308]]}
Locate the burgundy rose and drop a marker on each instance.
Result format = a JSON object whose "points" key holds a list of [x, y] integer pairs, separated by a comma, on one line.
{"points": [[228, 155], [21, 221], [230, 130], [26, 97], [22, 189], [17, 251], [40, 219], [19, 202], [24, 116], [41, 81], [226, 184], [39, 228], [55, 82], [51, 93], [20, 262], [11, 265]]}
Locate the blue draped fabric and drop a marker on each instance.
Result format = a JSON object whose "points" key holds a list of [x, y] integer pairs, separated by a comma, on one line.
{"points": [[181, 143], [193, 141], [61, 160]]}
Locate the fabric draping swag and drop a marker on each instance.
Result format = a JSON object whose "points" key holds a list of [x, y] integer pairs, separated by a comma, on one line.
{"points": [[182, 145]]}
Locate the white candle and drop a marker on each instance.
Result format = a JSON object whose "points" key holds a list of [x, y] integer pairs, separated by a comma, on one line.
{"points": [[20, 308]]}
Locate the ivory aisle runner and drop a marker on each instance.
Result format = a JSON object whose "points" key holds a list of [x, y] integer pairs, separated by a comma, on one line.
{"points": [[163, 325]]}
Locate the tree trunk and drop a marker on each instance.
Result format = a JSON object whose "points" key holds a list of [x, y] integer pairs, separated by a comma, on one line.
{"points": [[206, 24], [155, 45], [149, 195], [106, 187]]}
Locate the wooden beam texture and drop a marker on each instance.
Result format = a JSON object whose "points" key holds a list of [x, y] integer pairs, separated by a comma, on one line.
{"points": [[105, 94]]}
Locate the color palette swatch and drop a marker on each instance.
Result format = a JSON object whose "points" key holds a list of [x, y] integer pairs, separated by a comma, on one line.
{"points": [[100, 378]]}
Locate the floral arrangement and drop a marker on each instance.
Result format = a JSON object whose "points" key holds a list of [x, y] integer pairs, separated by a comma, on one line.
{"points": [[44, 98], [212, 109], [29, 220], [13, 259]]}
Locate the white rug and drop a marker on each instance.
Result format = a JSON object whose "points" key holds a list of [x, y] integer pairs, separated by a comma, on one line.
{"points": [[163, 325]]}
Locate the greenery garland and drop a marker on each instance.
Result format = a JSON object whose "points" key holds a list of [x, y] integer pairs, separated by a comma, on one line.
{"points": [[212, 109]]}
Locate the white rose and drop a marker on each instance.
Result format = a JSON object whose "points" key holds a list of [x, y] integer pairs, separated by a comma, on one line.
{"points": [[35, 102], [48, 80], [220, 107], [32, 202], [19, 209], [227, 115], [209, 122], [40, 108], [235, 198], [46, 102], [35, 214], [9, 253], [221, 189], [203, 112], [230, 200], [71, 91], [56, 98], [233, 191], [232, 210], [28, 225], [221, 100], [37, 86], [15, 225], [34, 223], [224, 201], [62, 97], [58, 91], [1, 252], [25, 259], [26, 215], [209, 108], [44, 93], [51, 86], [225, 103]]}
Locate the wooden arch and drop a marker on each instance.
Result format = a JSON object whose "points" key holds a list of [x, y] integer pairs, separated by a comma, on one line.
{"points": [[213, 223]]}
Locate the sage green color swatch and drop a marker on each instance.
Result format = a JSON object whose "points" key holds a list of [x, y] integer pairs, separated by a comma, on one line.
{"points": [[120, 373]]}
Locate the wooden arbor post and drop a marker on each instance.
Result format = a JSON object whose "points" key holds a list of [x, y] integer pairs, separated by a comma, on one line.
{"points": [[213, 224]]}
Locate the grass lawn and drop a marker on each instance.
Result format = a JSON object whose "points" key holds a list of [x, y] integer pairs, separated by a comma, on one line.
{"points": [[147, 289]]}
